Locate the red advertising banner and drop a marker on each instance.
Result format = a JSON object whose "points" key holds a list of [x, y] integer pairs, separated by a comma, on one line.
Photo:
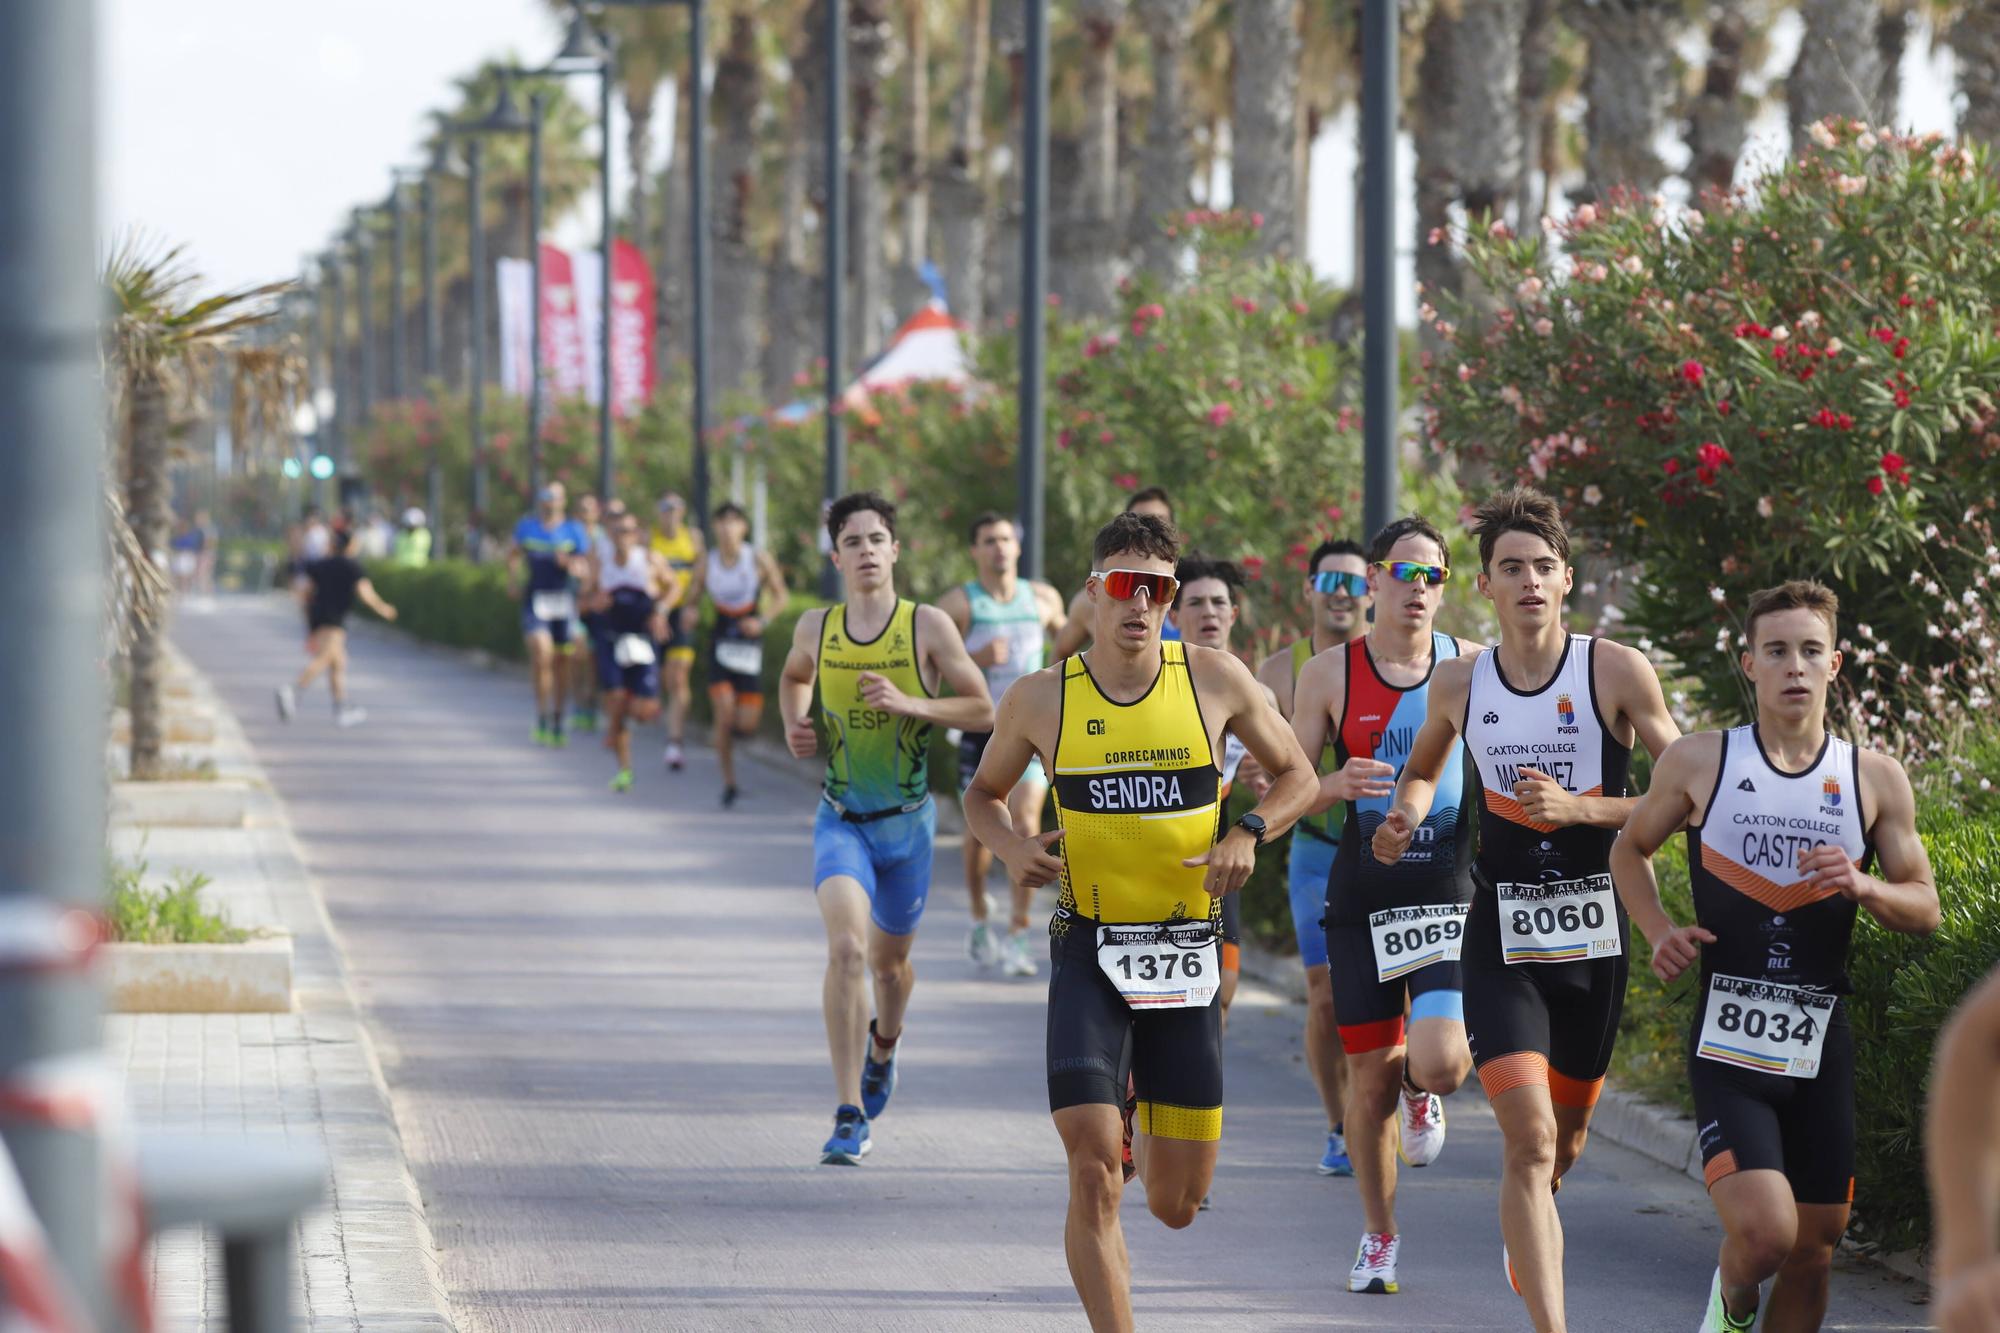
{"points": [[566, 361], [631, 329]]}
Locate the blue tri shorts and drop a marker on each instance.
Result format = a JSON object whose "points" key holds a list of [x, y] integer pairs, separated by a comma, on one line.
{"points": [[1310, 865], [641, 682], [891, 858], [557, 630]]}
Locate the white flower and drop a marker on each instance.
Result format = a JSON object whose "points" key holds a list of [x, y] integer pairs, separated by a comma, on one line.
{"points": [[1930, 532], [1864, 141], [1427, 312], [1631, 264], [1969, 597], [1763, 506], [1781, 334], [1592, 495], [1986, 784], [1934, 631], [1867, 633], [1822, 134], [1834, 347], [1850, 184], [1717, 595], [1586, 215], [1545, 327], [1931, 587], [1809, 320]]}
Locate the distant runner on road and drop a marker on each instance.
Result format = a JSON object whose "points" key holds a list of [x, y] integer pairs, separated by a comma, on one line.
{"points": [[547, 552], [329, 587], [1132, 732], [628, 591], [682, 547], [747, 589], [878, 660], [1006, 621], [1784, 821]]}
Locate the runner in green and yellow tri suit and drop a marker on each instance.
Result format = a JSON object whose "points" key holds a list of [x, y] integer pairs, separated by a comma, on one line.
{"points": [[877, 660], [683, 548], [1131, 732]]}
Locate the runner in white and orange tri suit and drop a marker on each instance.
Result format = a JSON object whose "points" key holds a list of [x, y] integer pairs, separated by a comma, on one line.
{"points": [[747, 589], [1337, 592], [1549, 719], [1784, 821]]}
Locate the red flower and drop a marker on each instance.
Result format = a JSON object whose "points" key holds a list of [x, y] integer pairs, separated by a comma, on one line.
{"points": [[1125, 481], [1253, 565], [1705, 475], [1671, 467], [1875, 486], [1902, 398], [1906, 300], [1900, 346], [1219, 414], [1693, 371], [1894, 462], [1725, 407], [1713, 455]]}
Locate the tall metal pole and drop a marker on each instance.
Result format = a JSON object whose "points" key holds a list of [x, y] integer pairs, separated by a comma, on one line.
{"points": [[51, 436], [364, 281], [607, 461], [1378, 241], [836, 260], [698, 239], [399, 348], [474, 190], [1034, 283], [343, 384], [535, 405], [433, 352]]}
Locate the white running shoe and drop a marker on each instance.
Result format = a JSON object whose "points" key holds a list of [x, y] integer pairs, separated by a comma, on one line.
{"points": [[1718, 1319], [1420, 1122], [351, 715], [982, 945], [673, 758], [1016, 960], [288, 702], [1374, 1270]]}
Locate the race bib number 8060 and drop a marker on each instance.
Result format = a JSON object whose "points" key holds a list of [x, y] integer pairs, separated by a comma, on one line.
{"points": [[1560, 922]]}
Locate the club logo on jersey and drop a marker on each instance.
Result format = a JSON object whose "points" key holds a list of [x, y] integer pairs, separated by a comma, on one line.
{"points": [[1489, 718], [1565, 710], [1093, 726], [1829, 793], [1746, 785]]}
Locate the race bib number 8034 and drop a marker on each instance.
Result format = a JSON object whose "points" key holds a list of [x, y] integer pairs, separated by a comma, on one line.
{"points": [[1763, 1026]]}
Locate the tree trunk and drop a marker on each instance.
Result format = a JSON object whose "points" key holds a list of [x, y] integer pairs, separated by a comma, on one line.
{"points": [[1892, 37], [1097, 144], [1975, 40], [1486, 104], [914, 160], [1264, 88], [1164, 162], [675, 285], [739, 276], [870, 37], [1003, 238], [638, 148], [1538, 40], [1627, 89], [1719, 119], [1838, 71], [788, 350], [1433, 130], [959, 200], [149, 510]]}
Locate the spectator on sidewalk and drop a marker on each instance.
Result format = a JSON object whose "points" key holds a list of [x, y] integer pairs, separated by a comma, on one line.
{"points": [[412, 547]]}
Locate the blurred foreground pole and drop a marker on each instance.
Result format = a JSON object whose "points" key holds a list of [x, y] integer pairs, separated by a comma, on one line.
{"points": [[835, 215], [1034, 285], [1378, 244], [51, 668]]}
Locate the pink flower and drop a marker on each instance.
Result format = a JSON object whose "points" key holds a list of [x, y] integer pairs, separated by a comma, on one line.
{"points": [[1464, 373], [1693, 372], [1586, 215], [1220, 414], [1530, 287], [1125, 481], [1257, 219], [1105, 437], [1545, 327]]}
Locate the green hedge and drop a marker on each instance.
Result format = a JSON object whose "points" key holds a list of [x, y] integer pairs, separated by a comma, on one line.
{"points": [[1904, 987]]}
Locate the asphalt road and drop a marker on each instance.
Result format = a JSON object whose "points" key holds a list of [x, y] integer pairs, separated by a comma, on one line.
{"points": [[599, 1019]]}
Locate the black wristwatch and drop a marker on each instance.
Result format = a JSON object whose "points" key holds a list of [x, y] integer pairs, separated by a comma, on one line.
{"points": [[1253, 824]]}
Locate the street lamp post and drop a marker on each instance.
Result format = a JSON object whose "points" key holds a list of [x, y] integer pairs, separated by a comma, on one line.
{"points": [[835, 262], [475, 197], [399, 241], [364, 282], [1034, 283], [337, 349], [1378, 237], [537, 102], [698, 236], [433, 345]]}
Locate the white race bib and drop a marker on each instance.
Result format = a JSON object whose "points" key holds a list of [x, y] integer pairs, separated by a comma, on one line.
{"points": [[553, 606], [1161, 966], [1560, 922], [1763, 1026], [1408, 938], [633, 650], [744, 657]]}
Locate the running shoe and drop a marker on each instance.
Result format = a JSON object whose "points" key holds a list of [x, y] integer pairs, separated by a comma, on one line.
{"points": [[1016, 960], [729, 795], [1420, 1122], [623, 782], [1126, 1113], [1335, 1162], [982, 945], [288, 702], [1718, 1319], [541, 735], [557, 738], [1202, 1207], [878, 1081], [1374, 1270], [349, 715], [849, 1143], [583, 719], [675, 760]]}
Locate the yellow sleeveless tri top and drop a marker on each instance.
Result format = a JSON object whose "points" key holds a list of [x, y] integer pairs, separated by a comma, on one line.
{"points": [[678, 549], [1136, 793], [877, 763]]}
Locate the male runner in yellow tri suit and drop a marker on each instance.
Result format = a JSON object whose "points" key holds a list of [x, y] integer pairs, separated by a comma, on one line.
{"points": [[1131, 732], [878, 660], [683, 549]]}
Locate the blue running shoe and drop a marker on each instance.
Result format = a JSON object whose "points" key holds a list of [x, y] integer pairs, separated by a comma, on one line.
{"points": [[878, 1081], [1335, 1162], [849, 1143]]}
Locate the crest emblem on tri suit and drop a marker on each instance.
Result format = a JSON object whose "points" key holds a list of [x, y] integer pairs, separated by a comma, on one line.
{"points": [[1829, 792], [1565, 710], [1746, 785], [1093, 726]]}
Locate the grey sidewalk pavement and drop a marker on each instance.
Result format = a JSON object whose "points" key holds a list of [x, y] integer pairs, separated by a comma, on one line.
{"points": [[599, 1019], [364, 1259]]}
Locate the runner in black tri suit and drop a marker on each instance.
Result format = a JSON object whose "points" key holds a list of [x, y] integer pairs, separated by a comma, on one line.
{"points": [[1783, 820], [1548, 718]]}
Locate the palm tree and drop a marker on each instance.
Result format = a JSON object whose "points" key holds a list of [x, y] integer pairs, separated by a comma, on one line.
{"points": [[739, 273], [871, 46], [1719, 116], [1165, 164], [1839, 69], [913, 157], [1975, 40], [1628, 87], [1263, 131], [1892, 38], [163, 346], [1538, 53], [957, 181]]}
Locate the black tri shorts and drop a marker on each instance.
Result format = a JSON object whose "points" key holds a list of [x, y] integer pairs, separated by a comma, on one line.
{"points": [[1173, 1055], [1533, 1022], [1753, 1121]]}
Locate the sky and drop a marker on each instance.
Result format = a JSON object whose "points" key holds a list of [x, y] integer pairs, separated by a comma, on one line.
{"points": [[246, 129]]}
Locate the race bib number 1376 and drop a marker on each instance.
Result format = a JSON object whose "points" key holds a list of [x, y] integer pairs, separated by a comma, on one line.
{"points": [[1171, 965]]}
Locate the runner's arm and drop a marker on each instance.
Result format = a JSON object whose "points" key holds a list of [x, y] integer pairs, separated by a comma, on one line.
{"points": [[795, 685], [1632, 688], [968, 707], [1075, 633], [773, 595], [958, 607], [514, 571], [1270, 742], [1316, 700], [1029, 860], [1451, 684], [1665, 808], [1055, 615], [1964, 1158], [373, 600], [1904, 896], [1274, 673]]}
